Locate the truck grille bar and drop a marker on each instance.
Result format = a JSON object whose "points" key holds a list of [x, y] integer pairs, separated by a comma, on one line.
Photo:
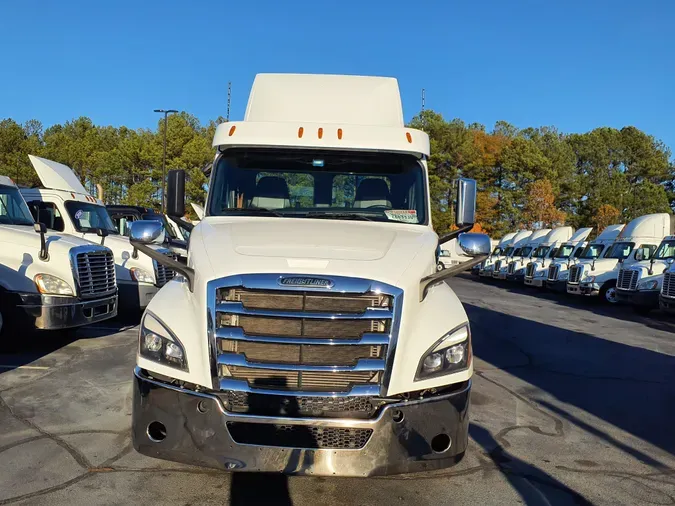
{"points": [[575, 274], [94, 271], [627, 280], [496, 268], [553, 271], [512, 267], [668, 288], [529, 270], [269, 337], [162, 273]]}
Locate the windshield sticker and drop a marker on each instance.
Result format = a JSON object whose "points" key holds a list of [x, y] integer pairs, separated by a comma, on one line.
{"points": [[404, 215], [79, 214]]}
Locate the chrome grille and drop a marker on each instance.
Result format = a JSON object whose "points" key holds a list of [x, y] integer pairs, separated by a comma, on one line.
{"points": [[275, 339], [668, 288], [95, 272], [575, 274], [496, 268], [299, 436], [529, 270], [627, 280], [512, 267], [162, 273], [553, 271]]}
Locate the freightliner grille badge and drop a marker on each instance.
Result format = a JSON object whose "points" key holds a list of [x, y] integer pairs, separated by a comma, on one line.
{"points": [[308, 282]]}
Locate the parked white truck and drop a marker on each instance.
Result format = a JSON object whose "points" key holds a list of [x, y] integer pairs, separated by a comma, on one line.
{"points": [[568, 253], [309, 332], [485, 268], [640, 283], [512, 247], [64, 205], [667, 293], [513, 268], [49, 281], [536, 270], [597, 277]]}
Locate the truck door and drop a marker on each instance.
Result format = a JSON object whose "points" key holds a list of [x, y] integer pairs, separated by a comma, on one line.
{"points": [[47, 213]]}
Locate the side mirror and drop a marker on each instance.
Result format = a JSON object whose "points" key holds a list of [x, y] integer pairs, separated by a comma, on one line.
{"points": [[175, 201], [465, 211], [102, 233], [639, 254], [146, 232], [474, 244]]}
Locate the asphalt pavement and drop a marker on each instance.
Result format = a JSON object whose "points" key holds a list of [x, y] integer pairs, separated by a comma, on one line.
{"points": [[572, 403]]}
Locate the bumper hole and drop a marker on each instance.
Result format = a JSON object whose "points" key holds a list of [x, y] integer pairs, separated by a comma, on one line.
{"points": [[156, 432], [397, 416], [441, 443]]}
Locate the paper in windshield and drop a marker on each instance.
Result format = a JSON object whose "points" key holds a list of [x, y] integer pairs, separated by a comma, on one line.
{"points": [[402, 215]]}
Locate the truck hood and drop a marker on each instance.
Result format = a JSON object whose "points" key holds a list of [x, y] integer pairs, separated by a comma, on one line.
{"points": [[26, 236], [602, 265], [373, 250]]}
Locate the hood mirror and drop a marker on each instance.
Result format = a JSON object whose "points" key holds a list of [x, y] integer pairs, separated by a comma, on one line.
{"points": [[473, 244], [147, 232]]}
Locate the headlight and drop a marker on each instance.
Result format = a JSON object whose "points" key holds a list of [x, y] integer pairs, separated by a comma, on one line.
{"points": [[651, 284], [157, 343], [51, 285], [589, 279], [563, 275], [140, 275], [449, 354]]}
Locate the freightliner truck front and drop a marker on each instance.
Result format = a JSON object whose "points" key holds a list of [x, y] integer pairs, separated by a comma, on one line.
{"points": [[309, 332]]}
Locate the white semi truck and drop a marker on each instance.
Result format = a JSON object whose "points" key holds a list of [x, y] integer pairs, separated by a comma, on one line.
{"points": [[49, 281], [513, 268], [485, 268], [309, 332], [667, 292], [510, 248], [598, 276], [568, 253], [640, 283], [536, 270], [64, 205]]}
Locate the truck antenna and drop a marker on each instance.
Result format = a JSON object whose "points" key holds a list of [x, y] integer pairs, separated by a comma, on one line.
{"points": [[422, 99], [229, 98]]}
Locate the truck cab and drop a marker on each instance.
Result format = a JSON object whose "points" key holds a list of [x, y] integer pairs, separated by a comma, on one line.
{"points": [[543, 256], [65, 206], [485, 268], [640, 283], [309, 332], [598, 277], [49, 281], [510, 248], [567, 254], [513, 269]]}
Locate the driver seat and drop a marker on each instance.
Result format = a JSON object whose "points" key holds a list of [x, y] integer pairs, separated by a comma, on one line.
{"points": [[271, 192], [372, 192]]}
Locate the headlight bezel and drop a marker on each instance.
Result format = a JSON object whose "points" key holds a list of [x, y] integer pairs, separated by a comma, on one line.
{"points": [[40, 278], [438, 348], [136, 273], [644, 284], [167, 338]]}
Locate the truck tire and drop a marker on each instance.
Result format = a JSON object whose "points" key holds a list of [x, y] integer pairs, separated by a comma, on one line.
{"points": [[608, 293], [440, 266]]}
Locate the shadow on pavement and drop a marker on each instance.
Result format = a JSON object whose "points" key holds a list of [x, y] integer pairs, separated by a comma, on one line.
{"points": [[629, 387], [533, 485]]}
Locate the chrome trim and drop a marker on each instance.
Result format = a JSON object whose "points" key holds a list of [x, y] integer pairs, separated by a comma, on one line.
{"points": [[238, 308], [237, 334], [93, 248], [341, 284], [238, 360], [242, 386]]}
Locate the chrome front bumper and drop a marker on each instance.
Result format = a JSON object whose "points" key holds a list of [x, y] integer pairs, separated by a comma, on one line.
{"points": [[50, 312], [538, 282], [197, 432]]}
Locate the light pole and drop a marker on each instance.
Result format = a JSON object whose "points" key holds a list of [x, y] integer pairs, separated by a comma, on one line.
{"points": [[166, 113]]}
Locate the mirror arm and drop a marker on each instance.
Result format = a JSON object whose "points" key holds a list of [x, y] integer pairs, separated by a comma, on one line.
{"points": [[44, 253], [454, 234], [185, 224], [429, 281], [167, 261]]}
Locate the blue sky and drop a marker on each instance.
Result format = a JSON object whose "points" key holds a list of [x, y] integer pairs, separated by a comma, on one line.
{"points": [[576, 64]]}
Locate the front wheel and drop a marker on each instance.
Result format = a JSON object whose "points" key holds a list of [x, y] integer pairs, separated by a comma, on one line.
{"points": [[608, 293], [440, 266]]}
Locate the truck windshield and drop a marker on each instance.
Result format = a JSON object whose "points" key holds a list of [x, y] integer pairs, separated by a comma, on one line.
{"points": [[525, 252], [666, 250], [319, 184], [620, 250], [592, 251], [13, 209], [508, 251], [564, 251], [89, 217], [541, 251]]}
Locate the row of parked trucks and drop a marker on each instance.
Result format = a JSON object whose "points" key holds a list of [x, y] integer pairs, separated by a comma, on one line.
{"points": [[630, 264]]}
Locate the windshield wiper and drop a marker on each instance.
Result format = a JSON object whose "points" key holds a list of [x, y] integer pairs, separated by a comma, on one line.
{"points": [[346, 216], [252, 210]]}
